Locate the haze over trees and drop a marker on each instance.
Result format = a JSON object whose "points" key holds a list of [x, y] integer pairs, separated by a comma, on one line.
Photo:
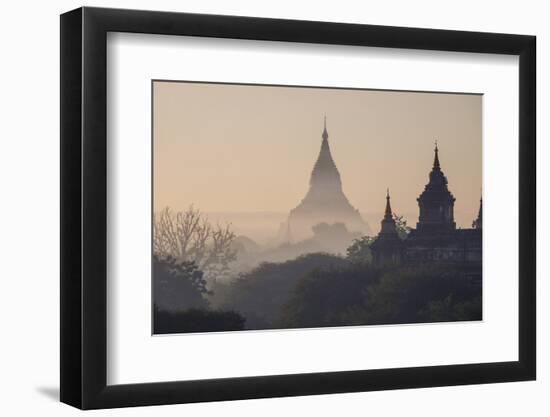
{"points": [[188, 250], [196, 287], [189, 236], [261, 293]]}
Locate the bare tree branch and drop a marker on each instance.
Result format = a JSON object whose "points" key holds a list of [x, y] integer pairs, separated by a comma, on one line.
{"points": [[189, 236]]}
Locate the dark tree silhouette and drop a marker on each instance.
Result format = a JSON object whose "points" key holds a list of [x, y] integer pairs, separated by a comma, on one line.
{"points": [[419, 293], [359, 251], [260, 294], [195, 320], [360, 294], [177, 285], [401, 225], [323, 297]]}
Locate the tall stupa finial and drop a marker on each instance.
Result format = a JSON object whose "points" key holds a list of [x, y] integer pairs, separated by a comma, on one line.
{"points": [[325, 133], [436, 156], [388, 212]]}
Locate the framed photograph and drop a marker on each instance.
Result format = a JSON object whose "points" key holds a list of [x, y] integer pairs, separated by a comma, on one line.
{"points": [[256, 208]]}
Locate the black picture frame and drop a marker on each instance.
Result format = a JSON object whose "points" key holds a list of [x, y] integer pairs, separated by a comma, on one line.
{"points": [[84, 207]]}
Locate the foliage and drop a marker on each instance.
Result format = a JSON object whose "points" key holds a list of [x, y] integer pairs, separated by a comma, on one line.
{"points": [[189, 236], [323, 297], [316, 290], [413, 294], [359, 251], [260, 294], [401, 225], [178, 285], [196, 320], [448, 309], [359, 294], [334, 231]]}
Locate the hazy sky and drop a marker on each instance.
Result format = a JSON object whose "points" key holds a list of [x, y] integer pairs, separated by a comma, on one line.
{"points": [[238, 148]]}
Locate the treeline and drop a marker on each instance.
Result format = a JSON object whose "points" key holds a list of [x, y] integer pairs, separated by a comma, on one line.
{"points": [[180, 300], [313, 290], [342, 292], [196, 320], [261, 294]]}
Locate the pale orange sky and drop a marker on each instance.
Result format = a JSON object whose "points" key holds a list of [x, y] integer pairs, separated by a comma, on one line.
{"points": [[240, 148]]}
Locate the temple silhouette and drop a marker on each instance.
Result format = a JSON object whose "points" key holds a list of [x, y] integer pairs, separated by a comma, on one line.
{"points": [[435, 237], [325, 201]]}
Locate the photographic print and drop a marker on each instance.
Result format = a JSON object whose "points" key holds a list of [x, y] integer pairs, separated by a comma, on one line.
{"points": [[284, 207]]}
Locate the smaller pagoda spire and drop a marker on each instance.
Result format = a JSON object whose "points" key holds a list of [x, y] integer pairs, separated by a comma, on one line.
{"points": [[436, 157], [325, 133], [388, 222], [387, 248], [388, 212]]}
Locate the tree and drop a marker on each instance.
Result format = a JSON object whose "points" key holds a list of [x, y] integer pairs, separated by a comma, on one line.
{"points": [[195, 320], [449, 309], [401, 225], [178, 286], [359, 294], [324, 296], [359, 251], [188, 236], [421, 293], [260, 294]]}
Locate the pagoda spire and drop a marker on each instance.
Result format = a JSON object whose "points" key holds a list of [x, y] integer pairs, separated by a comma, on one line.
{"points": [[388, 223], [325, 201], [388, 212], [436, 202], [325, 171], [387, 248], [436, 157]]}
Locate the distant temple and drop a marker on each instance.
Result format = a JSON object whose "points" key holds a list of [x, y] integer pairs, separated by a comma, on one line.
{"points": [[436, 237], [325, 202]]}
